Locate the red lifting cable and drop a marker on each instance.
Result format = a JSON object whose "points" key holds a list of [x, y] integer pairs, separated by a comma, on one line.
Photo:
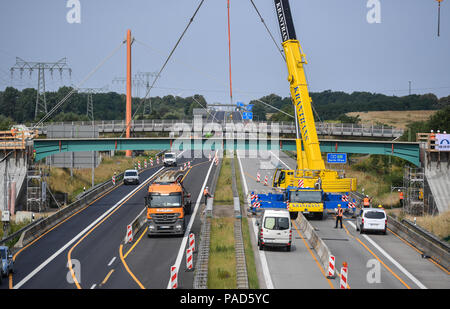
{"points": [[229, 51]]}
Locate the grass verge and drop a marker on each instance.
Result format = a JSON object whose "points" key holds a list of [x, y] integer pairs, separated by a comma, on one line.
{"points": [[438, 225], [222, 258], [14, 227], [224, 192]]}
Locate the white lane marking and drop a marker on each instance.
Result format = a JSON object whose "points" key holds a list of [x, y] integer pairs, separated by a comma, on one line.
{"points": [[280, 160], [51, 258], [112, 261], [93, 286], [262, 255], [390, 258], [191, 222]]}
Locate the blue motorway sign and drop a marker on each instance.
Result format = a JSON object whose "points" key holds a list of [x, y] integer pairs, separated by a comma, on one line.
{"points": [[240, 104], [247, 115], [336, 158], [249, 107]]}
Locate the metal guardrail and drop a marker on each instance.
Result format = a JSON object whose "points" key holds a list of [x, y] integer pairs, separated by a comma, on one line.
{"points": [[340, 129], [35, 229], [431, 237]]}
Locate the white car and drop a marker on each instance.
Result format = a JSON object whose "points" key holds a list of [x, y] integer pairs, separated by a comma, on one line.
{"points": [[275, 229], [131, 176], [371, 219], [170, 159]]}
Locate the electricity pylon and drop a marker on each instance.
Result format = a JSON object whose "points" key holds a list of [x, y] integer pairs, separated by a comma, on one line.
{"points": [[41, 67], [140, 79], [90, 100]]}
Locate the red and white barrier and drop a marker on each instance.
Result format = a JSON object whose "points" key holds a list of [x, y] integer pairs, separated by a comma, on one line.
{"points": [[189, 259], [344, 198], [331, 267], [145, 163], [301, 184], [192, 241], [151, 162], [287, 205], [344, 276], [129, 237], [258, 177], [351, 205], [189, 164], [139, 165], [216, 160], [114, 179], [266, 179], [157, 160], [173, 277], [184, 165]]}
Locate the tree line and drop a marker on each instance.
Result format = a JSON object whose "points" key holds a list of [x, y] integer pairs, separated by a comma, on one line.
{"points": [[19, 106]]}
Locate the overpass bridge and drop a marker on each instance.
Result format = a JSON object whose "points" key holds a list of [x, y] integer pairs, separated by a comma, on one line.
{"points": [[162, 126], [45, 147]]}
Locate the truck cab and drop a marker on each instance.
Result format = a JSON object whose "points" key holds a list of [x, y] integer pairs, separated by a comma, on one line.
{"points": [[167, 203], [306, 200]]}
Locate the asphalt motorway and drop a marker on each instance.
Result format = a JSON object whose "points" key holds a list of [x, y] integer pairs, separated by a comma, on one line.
{"points": [[89, 239], [374, 261], [148, 259]]}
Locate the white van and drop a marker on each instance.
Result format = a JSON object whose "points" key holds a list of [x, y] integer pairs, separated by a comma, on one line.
{"points": [[170, 159], [275, 229], [131, 176], [371, 219]]}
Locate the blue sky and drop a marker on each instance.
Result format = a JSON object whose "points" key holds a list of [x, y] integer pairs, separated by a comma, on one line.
{"points": [[344, 51]]}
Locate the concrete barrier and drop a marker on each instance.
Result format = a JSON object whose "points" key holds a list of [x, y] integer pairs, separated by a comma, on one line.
{"points": [[314, 240], [137, 223], [428, 248]]}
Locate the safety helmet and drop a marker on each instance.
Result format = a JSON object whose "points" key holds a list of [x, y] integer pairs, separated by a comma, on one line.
{"points": [[380, 206], [339, 205]]}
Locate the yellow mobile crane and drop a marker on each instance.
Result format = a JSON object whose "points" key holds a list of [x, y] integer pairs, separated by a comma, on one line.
{"points": [[310, 164]]}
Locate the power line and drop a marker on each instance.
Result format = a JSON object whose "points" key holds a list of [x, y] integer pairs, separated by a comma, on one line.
{"points": [[165, 63], [50, 113]]}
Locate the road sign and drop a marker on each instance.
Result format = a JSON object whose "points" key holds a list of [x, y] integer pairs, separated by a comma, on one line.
{"points": [[443, 142], [240, 104], [247, 115], [249, 107], [5, 216], [336, 158]]}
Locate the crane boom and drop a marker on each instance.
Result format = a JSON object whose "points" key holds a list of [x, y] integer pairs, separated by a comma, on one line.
{"points": [[311, 171], [295, 60]]}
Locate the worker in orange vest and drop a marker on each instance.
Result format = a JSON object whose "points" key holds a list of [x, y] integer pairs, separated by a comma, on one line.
{"points": [[400, 195], [339, 214], [366, 201], [206, 194]]}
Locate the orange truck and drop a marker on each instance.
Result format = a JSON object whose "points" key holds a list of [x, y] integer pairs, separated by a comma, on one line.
{"points": [[167, 204]]}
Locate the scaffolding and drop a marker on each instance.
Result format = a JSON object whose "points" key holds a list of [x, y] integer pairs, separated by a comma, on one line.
{"points": [[36, 191], [418, 197]]}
